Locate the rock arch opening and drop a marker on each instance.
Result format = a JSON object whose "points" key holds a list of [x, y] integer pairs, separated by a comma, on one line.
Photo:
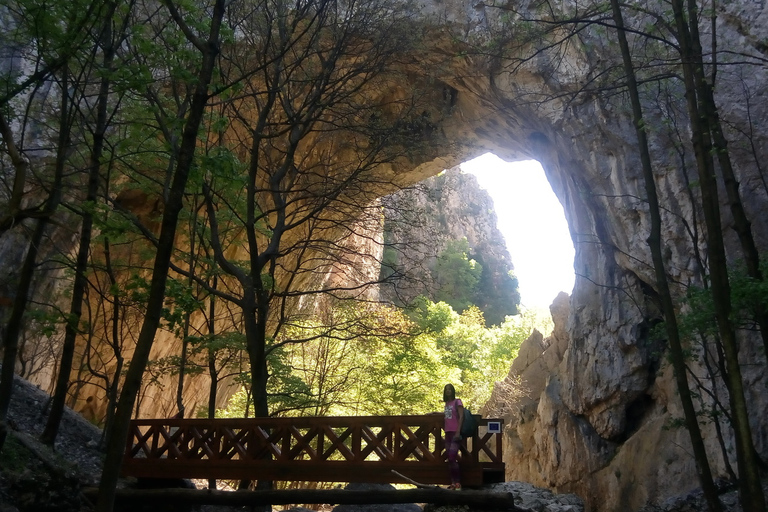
{"points": [[533, 223]]}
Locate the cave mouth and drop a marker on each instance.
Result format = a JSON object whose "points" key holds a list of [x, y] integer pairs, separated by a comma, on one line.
{"points": [[532, 220]]}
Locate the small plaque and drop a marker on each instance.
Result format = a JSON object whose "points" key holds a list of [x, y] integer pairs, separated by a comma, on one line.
{"points": [[494, 427]]}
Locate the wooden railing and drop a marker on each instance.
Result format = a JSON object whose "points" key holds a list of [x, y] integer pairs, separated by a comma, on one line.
{"points": [[321, 449]]}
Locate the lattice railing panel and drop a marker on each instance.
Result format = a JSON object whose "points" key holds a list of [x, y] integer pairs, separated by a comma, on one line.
{"points": [[287, 445]]}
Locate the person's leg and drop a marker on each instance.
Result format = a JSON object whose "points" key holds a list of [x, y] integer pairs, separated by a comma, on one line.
{"points": [[453, 463]]}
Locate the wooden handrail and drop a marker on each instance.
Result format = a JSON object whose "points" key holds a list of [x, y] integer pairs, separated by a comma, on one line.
{"points": [[351, 448]]}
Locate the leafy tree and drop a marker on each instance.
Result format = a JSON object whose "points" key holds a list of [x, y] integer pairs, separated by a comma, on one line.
{"points": [[339, 364], [497, 294], [207, 44], [408, 378], [457, 275], [432, 317], [662, 282], [707, 136], [509, 335], [393, 365], [107, 42], [475, 356], [281, 224]]}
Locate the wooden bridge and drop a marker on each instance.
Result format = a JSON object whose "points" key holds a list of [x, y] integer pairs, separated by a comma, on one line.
{"points": [[319, 449]]}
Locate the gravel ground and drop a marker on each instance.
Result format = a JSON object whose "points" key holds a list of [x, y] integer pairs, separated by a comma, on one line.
{"points": [[77, 440], [49, 482]]}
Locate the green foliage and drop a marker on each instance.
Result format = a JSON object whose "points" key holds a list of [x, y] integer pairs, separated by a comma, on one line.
{"points": [[747, 294], [698, 314], [407, 378], [43, 321], [389, 261], [137, 288], [290, 385], [431, 316], [456, 275], [180, 302], [483, 355], [512, 332], [237, 406], [222, 163], [497, 295], [228, 341], [400, 367], [462, 282], [462, 339], [113, 227], [351, 359]]}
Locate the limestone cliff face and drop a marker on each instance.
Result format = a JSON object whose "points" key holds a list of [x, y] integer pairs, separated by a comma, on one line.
{"points": [[548, 443], [421, 220], [595, 416]]}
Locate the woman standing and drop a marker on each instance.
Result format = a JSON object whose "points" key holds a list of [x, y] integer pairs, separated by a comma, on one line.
{"points": [[454, 417]]}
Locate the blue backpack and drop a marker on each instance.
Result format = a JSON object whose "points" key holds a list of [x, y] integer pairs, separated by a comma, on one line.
{"points": [[469, 425]]}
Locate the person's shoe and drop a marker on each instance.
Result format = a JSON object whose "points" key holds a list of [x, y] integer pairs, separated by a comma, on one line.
{"points": [[455, 487]]}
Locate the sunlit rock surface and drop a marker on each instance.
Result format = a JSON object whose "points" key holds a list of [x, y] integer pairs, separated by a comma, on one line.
{"points": [[420, 221]]}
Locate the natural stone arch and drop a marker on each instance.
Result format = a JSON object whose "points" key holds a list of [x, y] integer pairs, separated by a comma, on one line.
{"points": [[513, 135], [605, 401], [606, 370]]}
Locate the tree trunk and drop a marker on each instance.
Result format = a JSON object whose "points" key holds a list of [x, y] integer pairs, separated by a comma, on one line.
{"points": [[20, 166], [15, 322], [213, 390], [72, 325], [112, 387], [750, 490], [677, 354], [116, 442], [187, 314], [742, 225]]}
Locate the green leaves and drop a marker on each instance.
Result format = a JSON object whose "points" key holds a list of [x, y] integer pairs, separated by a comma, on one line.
{"points": [[432, 317], [230, 341], [698, 314], [457, 275]]}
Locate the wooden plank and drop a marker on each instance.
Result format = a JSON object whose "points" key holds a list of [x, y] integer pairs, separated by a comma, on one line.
{"points": [[316, 471], [129, 498], [337, 444]]}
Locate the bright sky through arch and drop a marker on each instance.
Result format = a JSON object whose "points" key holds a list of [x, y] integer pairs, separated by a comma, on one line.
{"points": [[532, 221]]}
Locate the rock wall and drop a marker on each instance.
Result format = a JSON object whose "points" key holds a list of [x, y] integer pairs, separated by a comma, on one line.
{"points": [[599, 416], [548, 444], [421, 220]]}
